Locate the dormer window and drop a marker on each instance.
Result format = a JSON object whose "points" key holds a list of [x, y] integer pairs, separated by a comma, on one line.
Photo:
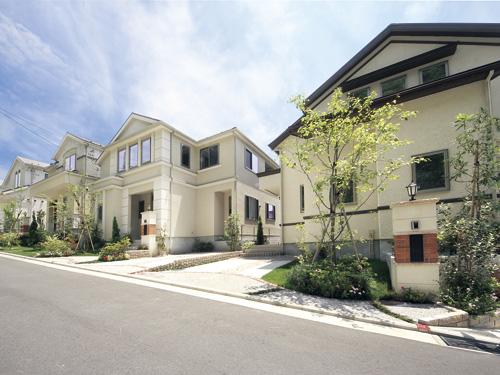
{"points": [[133, 153], [393, 85], [70, 163], [434, 72]]}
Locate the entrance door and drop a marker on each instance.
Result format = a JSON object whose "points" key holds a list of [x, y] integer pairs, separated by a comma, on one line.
{"points": [[416, 248]]}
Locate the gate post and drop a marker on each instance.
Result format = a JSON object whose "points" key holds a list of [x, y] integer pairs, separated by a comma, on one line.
{"points": [[415, 262]]}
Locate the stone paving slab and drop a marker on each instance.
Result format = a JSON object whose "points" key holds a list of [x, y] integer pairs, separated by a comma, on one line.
{"points": [[211, 280], [347, 308]]}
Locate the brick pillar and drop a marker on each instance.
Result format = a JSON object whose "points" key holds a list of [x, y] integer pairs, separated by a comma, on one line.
{"points": [[430, 248], [402, 248]]}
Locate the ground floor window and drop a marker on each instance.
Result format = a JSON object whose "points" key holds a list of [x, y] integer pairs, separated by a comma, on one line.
{"points": [[270, 212], [251, 208]]}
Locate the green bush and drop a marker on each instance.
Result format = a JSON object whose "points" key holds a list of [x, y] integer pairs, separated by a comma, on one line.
{"points": [[260, 233], [347, 278], [466, 278], [115, 251], [115, 235], [413, 296], [9, 239], [201, 246], [54, 247]]}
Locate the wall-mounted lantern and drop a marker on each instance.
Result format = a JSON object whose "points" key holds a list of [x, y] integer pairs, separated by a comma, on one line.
{"points": [[412, 190]]}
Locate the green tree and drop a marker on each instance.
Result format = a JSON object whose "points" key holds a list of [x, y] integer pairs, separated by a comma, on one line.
{"points": [[260, 232], [115, 236], [338, 150], [232, 232], [471, 235]]}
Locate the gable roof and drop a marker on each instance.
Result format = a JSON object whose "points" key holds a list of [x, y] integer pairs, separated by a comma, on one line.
{"points": [[78, 139], [30, 162], [490, 30]]}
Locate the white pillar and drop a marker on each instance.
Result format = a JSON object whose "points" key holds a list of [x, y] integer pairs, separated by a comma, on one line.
{"points": [[161, 203], [125, 211]]}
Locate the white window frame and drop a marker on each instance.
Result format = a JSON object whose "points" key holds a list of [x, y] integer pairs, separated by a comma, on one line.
{"points": [[393, 79], [254, 161], [446, 186], [70, 163], [124, 150], [142, 150], [130, 165]]}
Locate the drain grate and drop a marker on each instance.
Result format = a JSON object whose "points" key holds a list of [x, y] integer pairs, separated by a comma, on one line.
{"points": [[472, 344]]}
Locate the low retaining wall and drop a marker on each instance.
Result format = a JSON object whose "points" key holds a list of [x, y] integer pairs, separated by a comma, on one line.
{"points": [[134, 254], [192, 262], [485, 321]]}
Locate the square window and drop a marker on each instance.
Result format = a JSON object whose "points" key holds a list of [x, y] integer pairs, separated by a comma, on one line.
{"points": [[433, 72], [209, 157], [146, 151], [432, 173], [186, 156], [393, 85], [348, 194]]}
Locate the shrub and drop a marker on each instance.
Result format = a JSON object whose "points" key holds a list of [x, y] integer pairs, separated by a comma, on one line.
{"points": [[200, 246], [115, 236], [347, 278], [115, 251], [232, 232], [467, 280], [9, 239], [97, 239], [54, 247], [260, 233], [413, 296]]}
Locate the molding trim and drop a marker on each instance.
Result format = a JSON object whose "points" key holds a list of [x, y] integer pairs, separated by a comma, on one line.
{"points": [[400, 66], [269, 173]]}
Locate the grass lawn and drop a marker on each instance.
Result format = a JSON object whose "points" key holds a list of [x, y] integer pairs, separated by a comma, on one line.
{"points": [[29, 251], [381, 287]]}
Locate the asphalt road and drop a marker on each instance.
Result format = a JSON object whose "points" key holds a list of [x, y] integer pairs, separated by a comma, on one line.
{"points": [[60, 322]]}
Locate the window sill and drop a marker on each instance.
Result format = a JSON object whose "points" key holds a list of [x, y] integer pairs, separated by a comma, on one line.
{"points": [[210, 168], [434, 190], [250, 170]]}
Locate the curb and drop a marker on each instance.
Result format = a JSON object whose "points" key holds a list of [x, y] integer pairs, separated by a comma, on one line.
{"points": [[422, 328]]}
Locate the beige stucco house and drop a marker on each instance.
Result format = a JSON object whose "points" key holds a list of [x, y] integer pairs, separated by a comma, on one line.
{"points": [[74, 163], [16, 187], [438, 70], [192, 186]]}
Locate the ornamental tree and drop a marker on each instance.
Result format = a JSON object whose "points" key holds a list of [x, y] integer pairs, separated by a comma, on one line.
{"points": [[341, 149]]}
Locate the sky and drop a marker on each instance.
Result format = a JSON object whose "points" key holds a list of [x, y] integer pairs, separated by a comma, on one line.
{"points": [[202, 67]]}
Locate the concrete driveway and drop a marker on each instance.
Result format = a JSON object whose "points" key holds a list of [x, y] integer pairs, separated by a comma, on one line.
{"points": [[236, 275]]}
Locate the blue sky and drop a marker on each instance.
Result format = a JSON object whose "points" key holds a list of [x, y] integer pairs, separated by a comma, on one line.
{"points": [[203, 67]]}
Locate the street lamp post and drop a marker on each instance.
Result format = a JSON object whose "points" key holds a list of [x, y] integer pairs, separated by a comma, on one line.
{"points": [[412, 190]]}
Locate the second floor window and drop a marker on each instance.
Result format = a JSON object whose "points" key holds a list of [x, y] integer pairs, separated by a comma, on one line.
{"points": [[146, 151], [121, 160], [251, 208], [361, 93], [209, 156], [301, 198], [133, 154], [70, 163], [433, 72], [393, 85], [251, 161], [348, 194], [17, 182], [432, 173], [186, 156], [270, 212]]}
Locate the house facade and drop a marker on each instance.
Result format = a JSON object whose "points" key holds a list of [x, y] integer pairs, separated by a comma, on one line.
{"points": [[74, 163], [437, 70], [191, 186], [16, 188]]}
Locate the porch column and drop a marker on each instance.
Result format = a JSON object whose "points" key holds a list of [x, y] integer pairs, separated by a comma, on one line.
{"points": [[125, 211], [161, 203]]}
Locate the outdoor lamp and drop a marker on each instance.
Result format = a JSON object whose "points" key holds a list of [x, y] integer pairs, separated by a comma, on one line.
{"points": [[412, 190]]}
